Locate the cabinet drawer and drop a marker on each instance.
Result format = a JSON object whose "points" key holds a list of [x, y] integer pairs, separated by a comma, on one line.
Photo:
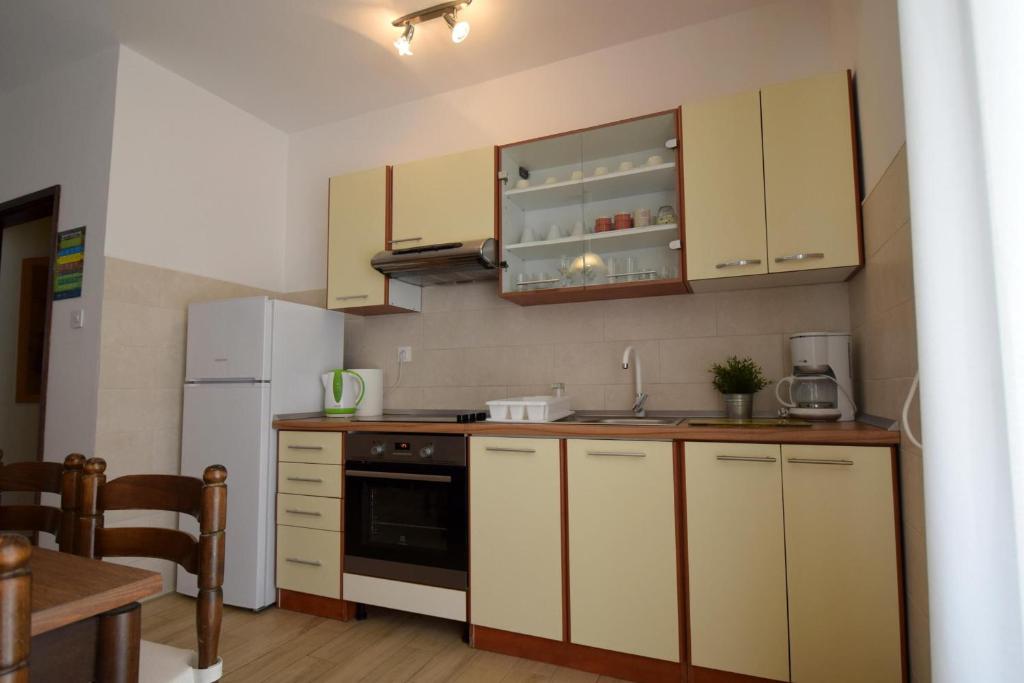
{"points": [[309, 561], [309, 480], [312, 512], [323, 448]]}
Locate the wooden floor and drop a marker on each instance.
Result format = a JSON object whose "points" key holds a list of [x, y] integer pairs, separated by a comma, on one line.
{"points": [[281, 646]]}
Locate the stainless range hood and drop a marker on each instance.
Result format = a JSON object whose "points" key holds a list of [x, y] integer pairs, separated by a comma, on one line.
{"points": [[433, 264]]}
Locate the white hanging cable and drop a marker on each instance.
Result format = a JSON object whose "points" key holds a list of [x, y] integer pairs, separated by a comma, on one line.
{"points": [[906, 412]]}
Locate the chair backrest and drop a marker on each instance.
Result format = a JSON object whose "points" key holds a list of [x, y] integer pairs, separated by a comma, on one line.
{"points": [[43, 477], [15, 608], [204, 499]]}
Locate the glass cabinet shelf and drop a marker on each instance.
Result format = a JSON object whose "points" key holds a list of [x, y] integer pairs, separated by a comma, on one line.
{"points": [[592, 214]]}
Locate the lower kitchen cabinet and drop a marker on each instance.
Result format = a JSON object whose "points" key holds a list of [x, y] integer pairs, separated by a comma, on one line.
{"points": [[309, 561], [842, 564], [793, 562], [516, 535], [623, 585], [737, 560]]}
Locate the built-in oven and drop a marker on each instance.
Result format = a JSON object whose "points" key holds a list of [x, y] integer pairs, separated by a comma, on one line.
{"points": [[406, 516]]}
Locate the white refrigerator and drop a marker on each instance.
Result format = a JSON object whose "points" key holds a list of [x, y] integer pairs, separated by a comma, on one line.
{"points": [[246, 361]]}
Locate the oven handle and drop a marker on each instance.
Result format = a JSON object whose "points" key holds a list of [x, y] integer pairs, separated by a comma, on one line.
{"points": [[443, 478]]}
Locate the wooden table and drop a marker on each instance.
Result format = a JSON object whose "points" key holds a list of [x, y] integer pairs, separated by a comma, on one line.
{"points": [[86, 621]]}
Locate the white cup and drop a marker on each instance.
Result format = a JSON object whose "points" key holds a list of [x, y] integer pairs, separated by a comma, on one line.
{"points": [[577, 229], [655, 160], [577, 175], [550, 180], [600, 170], [554, 232], [522, 184], [626, 166], [528, 235]]}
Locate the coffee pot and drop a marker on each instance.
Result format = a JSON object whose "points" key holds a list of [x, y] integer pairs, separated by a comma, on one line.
{"points": [[821, 386]]}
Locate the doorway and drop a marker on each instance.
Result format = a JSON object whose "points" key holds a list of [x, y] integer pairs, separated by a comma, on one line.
{"points": [[28, 235]]}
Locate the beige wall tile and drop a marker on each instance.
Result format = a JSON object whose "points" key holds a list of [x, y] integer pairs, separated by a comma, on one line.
{"points": [[887, 208], [666, 397], [601, 363], [784, 310], [688, 360], [312, 297]]}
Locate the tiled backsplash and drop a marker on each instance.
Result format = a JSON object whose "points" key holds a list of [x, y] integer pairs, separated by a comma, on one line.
{"points": [[470, 346]]}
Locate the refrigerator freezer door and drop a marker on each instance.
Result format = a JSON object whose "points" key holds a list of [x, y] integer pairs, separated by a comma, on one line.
{"points": [[228, 339], [308, 342], [228, 424]]}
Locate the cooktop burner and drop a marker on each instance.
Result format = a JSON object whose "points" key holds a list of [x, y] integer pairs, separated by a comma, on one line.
{"points": [[426, 416]]}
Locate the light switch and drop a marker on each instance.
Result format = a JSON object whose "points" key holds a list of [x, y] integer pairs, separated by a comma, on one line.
{"points": [[77, 318]]}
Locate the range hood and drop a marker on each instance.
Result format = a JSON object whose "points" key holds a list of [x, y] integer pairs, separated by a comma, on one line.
{"points": [[433, 264]]}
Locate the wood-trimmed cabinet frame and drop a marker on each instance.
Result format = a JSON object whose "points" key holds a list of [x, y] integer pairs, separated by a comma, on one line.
{"points": [[602, 292]]}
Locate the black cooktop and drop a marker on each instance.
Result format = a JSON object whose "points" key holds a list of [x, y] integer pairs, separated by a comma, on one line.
{"points": [[459, 416]]}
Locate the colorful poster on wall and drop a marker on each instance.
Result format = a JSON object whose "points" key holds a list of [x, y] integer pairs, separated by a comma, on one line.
{"points": [[70, 264]]}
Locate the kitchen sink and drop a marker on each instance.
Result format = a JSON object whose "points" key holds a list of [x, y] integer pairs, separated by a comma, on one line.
{"points": [[624, 418]]}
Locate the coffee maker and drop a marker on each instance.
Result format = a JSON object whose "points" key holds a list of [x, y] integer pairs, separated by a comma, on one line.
{"points": [[821, 386]]}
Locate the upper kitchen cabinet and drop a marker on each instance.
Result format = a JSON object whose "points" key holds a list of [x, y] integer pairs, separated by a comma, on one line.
{"points": [[771, 186], [444, 199], [810, 175], [358, 227], [723, 173], [592, 214]]}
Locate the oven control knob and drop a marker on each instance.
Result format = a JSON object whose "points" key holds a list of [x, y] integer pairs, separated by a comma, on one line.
{"points": [[377, 449], [427, 451]]}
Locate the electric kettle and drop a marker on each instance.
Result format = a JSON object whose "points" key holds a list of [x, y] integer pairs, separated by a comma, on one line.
{"points": [[343, 392]]}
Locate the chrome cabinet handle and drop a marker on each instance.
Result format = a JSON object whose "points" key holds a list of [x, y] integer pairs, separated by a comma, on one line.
{"points": [[746, 458], [402, 476], [311, 480], [639, 272], [495, 449], [352, 296], [538, 282], [299, 560], [799, 257], [739, 262], [310, 513], [818, 461], [406, 239], [625, 454], [306, 448]]}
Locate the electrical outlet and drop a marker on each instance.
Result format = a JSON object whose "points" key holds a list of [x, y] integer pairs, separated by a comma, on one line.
{"points": [[404, 354], [77, 318]]}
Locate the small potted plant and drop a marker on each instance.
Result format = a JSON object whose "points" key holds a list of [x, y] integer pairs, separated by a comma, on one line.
{"points": [[738, 379]]}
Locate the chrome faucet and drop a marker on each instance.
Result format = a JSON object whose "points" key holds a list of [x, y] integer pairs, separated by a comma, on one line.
{"points": [[640, 398]]}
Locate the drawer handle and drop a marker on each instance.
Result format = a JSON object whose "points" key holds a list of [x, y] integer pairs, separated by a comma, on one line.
{"points": [[746, 458], [352, 296], [739, 262], [819, 461], [799, 257], [296, 511], [306, 448], [402, 476], [307, 480], [625, 454], [498, 449], [299, 560]]}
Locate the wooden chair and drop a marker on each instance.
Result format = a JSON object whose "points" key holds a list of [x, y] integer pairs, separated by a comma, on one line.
{"points": [[15, 608], [206, 500], [43, 477]]}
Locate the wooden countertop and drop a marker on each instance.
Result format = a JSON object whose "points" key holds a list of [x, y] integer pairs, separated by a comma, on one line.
{"points": [[67, 588], [824, 433]]}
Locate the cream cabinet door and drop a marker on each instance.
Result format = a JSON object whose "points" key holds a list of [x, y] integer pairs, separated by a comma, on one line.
{"points": [[723, 176], [844, 603], [444, 199], [623, 586], [516, 535], [356, 228], [810, 174], [736, 558]]}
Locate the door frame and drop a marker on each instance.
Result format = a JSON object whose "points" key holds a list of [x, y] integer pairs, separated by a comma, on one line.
{"points": [[30, 207]]}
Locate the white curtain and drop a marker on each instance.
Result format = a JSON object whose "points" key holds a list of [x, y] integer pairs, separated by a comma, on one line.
{"points": [[963, 75]]}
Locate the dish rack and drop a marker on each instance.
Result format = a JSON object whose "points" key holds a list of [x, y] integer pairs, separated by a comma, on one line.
{"points": [[529, 409]]}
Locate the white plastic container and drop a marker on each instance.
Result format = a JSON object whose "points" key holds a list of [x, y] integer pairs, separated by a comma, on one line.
{"points": [[529, 409]]}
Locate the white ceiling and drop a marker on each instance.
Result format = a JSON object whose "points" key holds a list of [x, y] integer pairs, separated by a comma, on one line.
{"points": [[302, 63]]}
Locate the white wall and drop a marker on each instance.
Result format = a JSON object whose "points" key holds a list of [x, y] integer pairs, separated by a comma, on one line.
{"points": [[19, 422], [196, 184], [774, 43], [56, 130]]}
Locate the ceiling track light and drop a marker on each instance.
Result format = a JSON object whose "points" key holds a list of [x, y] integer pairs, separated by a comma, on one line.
{"points": [[448, 10]]}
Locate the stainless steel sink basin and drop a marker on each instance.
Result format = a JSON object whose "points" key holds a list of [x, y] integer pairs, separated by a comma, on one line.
{"points": [[623, 418]]}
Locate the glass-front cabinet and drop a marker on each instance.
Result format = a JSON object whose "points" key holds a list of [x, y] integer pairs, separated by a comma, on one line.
{"points": [[592, 214]]}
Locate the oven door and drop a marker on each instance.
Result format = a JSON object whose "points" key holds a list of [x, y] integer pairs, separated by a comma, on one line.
{"points": [[407, 522]]}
